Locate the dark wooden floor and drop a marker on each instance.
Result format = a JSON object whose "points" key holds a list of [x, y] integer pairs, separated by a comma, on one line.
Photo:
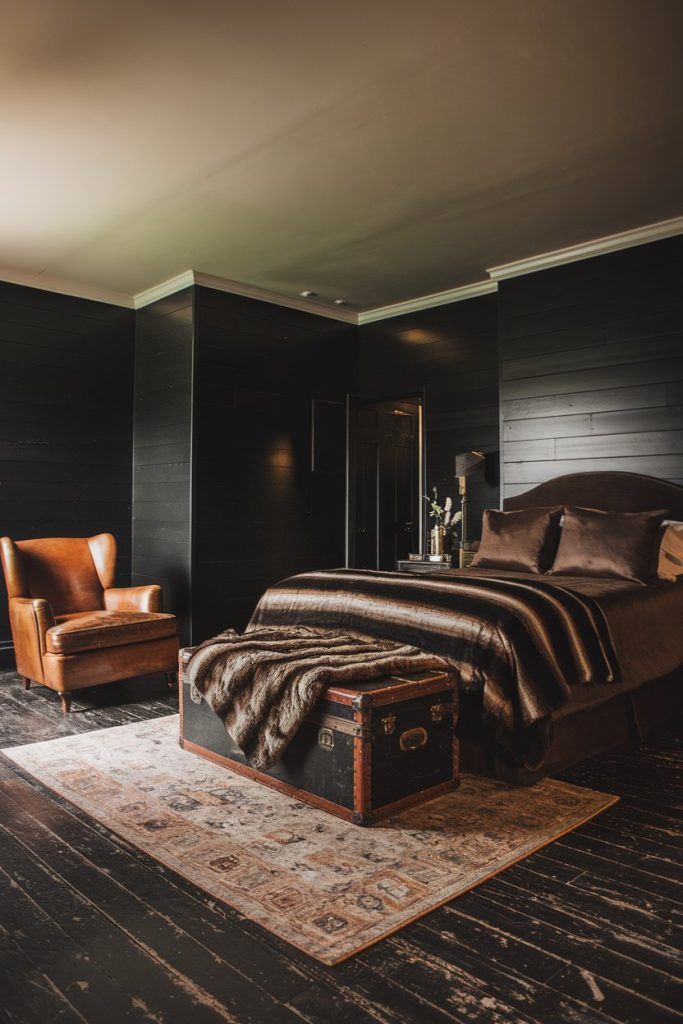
{"points": [[92, 930]]}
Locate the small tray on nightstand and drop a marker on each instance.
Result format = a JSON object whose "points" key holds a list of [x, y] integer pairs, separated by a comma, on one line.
{"points": [[461, 560], [421, 565]]}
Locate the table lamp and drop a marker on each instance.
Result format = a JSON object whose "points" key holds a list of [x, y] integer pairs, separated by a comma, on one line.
{"points": [[466, 464]]}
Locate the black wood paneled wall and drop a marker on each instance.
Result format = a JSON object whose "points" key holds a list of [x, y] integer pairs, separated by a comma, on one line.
{"points": [[590, 358], [592, 367], [260, 514], [452, 353], [66, 387], [162, 463]]}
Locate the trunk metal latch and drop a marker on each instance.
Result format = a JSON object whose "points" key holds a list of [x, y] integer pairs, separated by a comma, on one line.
{"points": [[388, 724], [326, 739], [437, 711]]}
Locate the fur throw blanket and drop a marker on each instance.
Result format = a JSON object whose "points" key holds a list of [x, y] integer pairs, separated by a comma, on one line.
{"points": [[264, 683]]}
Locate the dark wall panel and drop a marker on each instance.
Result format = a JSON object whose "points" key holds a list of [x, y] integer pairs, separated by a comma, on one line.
{"points": [[162, 509], [592, 367], [66, 376], [451, 352], [260, 513]]}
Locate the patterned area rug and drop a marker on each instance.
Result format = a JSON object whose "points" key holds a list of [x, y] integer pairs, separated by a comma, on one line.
{"points": [[328, 887]]}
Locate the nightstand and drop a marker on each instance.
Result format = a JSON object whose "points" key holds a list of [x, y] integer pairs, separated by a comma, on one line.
{"points": [[422, 565]]}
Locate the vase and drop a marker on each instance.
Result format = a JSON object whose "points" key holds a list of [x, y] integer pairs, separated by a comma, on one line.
{"points": [[437, 537]]}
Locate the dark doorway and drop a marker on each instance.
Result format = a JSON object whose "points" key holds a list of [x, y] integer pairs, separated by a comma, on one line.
{"points": [[385, 469]]}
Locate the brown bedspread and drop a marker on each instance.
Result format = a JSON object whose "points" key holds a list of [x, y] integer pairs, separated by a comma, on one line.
{"points": [[519, 643], [645, 623]]}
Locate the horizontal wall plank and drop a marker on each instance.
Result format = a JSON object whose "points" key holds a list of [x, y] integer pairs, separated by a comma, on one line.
{"points": [[162, 454], [620, 305], [104, 492], [147, 315], [530, 451], [168, 490], [602, 400], [562, 340], [624, 421], [666, 467], [596, 379], [654, 442], [666, 442], [29, 451], [67, 510], [598, 356], [24, 429], [68, 319], [51, 472], [39, 298], [150, 433], [174, 321], [644, 269], [146, 473]]}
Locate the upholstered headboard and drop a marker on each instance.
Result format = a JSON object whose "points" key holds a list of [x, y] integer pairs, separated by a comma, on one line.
{"points": [[611, 492]]}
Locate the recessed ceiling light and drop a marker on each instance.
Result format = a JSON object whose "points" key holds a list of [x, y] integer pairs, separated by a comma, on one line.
{"points": [[340, 302], [309, 295]]}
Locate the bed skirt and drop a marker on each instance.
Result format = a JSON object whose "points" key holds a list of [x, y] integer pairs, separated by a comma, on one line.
{"points": [[618, 721]]}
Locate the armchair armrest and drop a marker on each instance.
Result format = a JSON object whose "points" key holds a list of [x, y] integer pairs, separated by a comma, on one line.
{"points": [[30, 619], [133, 599]]}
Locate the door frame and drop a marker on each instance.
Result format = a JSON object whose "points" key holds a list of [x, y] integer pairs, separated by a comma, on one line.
{"points": [[419, 396]]}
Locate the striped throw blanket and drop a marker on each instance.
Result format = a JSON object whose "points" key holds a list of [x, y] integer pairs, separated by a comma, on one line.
{"points": [[263, 684], [518, 645]]}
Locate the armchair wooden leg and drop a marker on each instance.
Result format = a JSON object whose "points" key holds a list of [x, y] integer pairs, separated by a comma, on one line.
{"points": [[171, 681], [66, 703], [27, 683]]}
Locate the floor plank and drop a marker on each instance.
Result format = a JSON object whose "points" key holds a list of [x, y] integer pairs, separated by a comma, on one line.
{"points": [[583, 932], [212, 990], [27, 995]]}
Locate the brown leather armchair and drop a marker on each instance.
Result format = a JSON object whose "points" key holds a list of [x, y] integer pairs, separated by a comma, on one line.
{"points": [[71, 628]]}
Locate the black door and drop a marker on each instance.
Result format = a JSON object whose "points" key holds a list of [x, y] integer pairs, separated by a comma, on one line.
{"points": [[384, 481]]}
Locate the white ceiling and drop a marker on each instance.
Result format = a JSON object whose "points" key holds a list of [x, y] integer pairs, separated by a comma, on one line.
{"points": [[372, 151]]}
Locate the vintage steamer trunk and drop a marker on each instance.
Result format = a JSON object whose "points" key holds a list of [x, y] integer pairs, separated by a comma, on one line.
{"points": [[367, 751]]}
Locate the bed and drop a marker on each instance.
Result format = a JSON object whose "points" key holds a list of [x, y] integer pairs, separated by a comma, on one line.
{"points": [[605, 707], [602, 716]]}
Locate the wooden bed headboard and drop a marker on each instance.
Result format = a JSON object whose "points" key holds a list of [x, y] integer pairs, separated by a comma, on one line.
{"points": [[611, 492]]}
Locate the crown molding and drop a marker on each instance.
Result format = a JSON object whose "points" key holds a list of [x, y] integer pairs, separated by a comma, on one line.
{"points": [[466, 291], [597, 247], [610, 243], [348, 316], [160, 291], [248, 291], [62, 287]]}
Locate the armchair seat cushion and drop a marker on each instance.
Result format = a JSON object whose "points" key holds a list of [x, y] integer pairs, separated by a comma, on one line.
{"points": [[88, 631]]}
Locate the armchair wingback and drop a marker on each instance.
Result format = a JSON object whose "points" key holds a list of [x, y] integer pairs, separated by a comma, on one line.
{"points": [[70, 626]]}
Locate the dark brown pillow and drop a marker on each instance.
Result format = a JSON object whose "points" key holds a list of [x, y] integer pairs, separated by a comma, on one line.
{"points": [[524, 540], [615, 544]]}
